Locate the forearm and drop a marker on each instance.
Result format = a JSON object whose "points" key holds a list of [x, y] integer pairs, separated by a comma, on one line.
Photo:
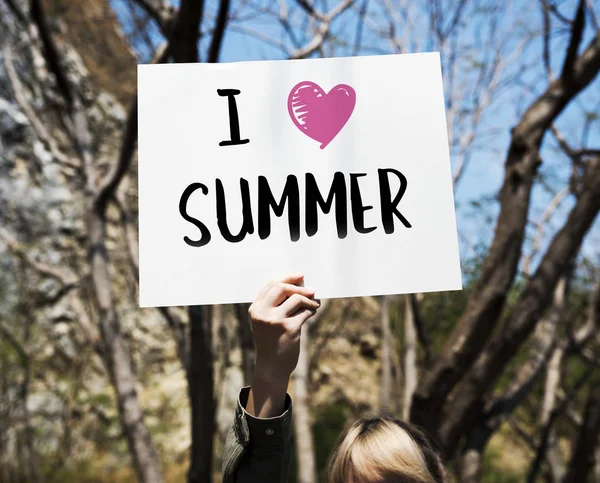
{"points": [[267, 392], [258, 446]]}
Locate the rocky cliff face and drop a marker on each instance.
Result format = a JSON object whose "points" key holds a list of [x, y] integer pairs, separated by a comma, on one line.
{"points": [[67, 411]]}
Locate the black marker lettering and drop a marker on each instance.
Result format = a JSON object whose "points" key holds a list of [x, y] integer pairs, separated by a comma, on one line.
{"points": [[205, 238], [358, 209], [314, 199], [234, 122], [266, 202], [388, 206], [247, 224]]}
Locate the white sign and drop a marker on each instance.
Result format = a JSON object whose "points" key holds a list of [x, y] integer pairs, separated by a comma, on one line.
{"points": [[334, 168]]}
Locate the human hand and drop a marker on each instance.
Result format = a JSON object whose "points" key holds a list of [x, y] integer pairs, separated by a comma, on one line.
{"points": [[277, 314]]}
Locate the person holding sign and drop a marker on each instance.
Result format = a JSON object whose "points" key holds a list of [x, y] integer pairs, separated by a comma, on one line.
{"points": [[258, 445]]}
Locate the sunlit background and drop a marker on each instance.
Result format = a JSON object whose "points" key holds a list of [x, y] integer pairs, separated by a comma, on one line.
{"points": [[504, 374]]}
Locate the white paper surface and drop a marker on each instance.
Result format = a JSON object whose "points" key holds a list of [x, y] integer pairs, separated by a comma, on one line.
{"points": [[398, 122]]}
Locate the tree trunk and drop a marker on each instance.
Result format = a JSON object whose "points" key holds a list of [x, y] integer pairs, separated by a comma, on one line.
{"points": [[470, 466], [302, 420], [551, 387], [117, 360], [410, 355], [201, 393], [246, 339], [385, 403], [177, 328], [305, 452], [582, 460], [596, 478]]}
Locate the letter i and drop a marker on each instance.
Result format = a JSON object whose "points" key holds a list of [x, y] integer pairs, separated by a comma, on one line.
{"points": [[234, 122]]}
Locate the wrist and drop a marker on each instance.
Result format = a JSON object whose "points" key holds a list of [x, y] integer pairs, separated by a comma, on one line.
{"points": [[270, 375], [267, 392]]}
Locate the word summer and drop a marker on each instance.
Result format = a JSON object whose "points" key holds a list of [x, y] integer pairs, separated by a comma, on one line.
{"points": [[289, 204]]}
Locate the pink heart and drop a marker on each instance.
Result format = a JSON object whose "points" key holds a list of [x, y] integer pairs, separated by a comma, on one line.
{"points": [[318, 115]]}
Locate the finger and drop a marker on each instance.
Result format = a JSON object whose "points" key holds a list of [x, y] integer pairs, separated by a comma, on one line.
{"points": [[300, 318], [280, 291], [297, 302], [265, 289], [292, 278]]}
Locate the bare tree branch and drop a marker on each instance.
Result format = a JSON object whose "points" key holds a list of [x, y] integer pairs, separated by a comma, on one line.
{"points": [[184, 52], [554, 9], [162, 11], [592, 325], [309, 9], [128, 144], [576, 37], [484, 308], [546, 430], [323, 29], [541, 347], [359, 26], [553, 373], [178, 329], [183, 42], [546, 38], [140, 27], [284, 20], [14, 342], [454, 20], [522, 319], [415, 300], [562, 142], [67, 279], [582, 460], [219, 32], [541, 225], [52, 54]]}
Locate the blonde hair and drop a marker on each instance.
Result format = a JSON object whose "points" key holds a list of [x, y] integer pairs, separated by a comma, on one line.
{"points": [[385, 450]]}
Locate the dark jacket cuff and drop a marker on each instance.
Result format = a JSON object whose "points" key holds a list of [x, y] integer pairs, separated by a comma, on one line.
{"points": [[262, 432]]}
